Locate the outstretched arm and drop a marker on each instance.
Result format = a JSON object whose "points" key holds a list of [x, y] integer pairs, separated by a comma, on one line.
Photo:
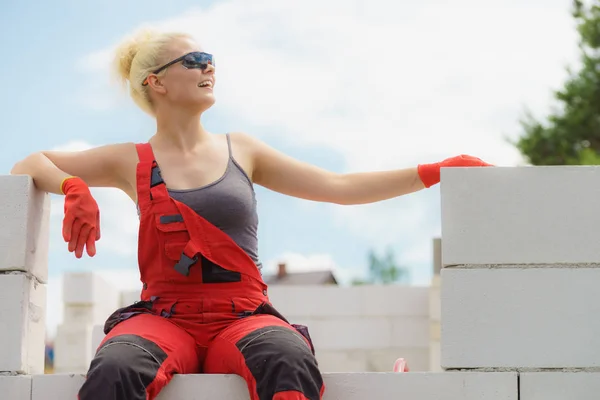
{"points": [[284, 174]]}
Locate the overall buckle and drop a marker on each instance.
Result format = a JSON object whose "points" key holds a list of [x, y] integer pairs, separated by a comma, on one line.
{"points": [[185, 263]]}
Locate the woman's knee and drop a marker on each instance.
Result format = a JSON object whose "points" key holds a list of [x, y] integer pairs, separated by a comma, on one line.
{"points": [[127, 364], [279, 359]]}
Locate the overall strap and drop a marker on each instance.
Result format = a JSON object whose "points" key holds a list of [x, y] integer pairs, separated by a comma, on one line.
{"points": [[150, 185]]}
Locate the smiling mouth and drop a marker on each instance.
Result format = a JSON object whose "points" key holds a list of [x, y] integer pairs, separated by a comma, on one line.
{"points": [[205, 84]]}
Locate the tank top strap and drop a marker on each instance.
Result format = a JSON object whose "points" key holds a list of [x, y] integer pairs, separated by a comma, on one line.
{"points": [[229, 147]]}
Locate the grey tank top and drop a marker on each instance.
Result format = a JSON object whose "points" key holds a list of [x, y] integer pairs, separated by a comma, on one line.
{"points": [[229, 203]]}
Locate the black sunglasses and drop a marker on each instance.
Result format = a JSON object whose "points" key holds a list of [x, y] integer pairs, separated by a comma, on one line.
{"points": [[193, 60]]}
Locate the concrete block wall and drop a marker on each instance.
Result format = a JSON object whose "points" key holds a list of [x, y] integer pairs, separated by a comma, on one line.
{"points": [[521, 276], [88, 300], [518, 315], [24, 221], [354, 329]]}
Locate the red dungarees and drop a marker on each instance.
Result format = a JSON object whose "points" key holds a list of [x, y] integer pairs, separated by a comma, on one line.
{"points": [[204, 308]]}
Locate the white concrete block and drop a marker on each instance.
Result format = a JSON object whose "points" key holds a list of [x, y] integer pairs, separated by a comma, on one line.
{"points": [[435, 311], [372, 360], [213, 387], [365, 300], [24, 226], [410, 332], [342, 361], [72, 348], [56, 386], [383, 360], [526, 318], [435, 362], [364, 333], [526, 215], [89, 288], [15, 387], [422, 386], [129, 297], [314, 301], [560, 386], [97, 337], [394, 300], [84, 314], [22, 312], [342, 386]]}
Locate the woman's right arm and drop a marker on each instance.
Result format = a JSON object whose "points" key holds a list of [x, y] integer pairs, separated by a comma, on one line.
{"points": [[103, 166]]}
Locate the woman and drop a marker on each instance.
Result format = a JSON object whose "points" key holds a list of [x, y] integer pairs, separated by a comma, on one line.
{"points": [[204, 306]]}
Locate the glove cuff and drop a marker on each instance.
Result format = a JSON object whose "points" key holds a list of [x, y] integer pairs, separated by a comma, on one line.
{"points": [[70, 182], [429, 174]]}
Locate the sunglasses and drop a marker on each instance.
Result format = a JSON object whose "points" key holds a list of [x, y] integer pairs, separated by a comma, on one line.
{"points": [[193, 60]]}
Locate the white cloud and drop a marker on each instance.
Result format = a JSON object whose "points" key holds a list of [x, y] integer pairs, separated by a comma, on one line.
{"points": [[386, 84]]}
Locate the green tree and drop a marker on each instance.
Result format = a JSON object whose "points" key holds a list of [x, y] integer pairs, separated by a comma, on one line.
{"points": [[383, 269], [571, 133]]}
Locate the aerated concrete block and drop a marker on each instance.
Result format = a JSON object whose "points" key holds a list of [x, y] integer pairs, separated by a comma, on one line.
{"points": [[342, 386], [56, 386], [520, 318], [22, 327], [422, 386], [15, 387], [526, 215], [354, 301], [89, 288], [560, 386], [24, 226], [72, 348]]}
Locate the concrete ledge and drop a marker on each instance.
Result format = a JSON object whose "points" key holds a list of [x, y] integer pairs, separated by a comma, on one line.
{"points": [[340, 386], [528, 215], [16, 387], [560, 386], [526, 318]]}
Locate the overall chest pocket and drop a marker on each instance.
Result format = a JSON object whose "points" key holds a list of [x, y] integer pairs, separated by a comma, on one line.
{"points": [[172, 229], [176, 237]]}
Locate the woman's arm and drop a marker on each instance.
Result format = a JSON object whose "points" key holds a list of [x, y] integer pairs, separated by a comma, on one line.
{"points": [[283, 174], [98, 167]]}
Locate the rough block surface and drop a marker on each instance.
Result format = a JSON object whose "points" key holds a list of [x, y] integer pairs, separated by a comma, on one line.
{"points": [[72, 348], [520, 318], [560, 386], [24, 226], [15, 387], [520, 215], [355, 386], [22, 313]]}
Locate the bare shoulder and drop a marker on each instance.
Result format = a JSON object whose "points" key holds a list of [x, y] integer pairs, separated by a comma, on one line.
{"points": [[244, 149], [111, 165]]}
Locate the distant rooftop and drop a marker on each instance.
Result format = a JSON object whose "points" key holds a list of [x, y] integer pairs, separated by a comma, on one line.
{"points": [[283, 277]]}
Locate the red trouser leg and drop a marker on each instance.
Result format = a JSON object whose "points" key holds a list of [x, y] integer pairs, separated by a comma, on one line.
{"points": [[138, 358], [273, 358]]}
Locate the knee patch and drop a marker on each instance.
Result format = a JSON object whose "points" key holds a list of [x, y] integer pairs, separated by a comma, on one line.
{"points": [[125, 365], [280, 360]]}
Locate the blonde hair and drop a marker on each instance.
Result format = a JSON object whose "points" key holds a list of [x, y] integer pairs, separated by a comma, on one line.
{"points": [[139, 55]]}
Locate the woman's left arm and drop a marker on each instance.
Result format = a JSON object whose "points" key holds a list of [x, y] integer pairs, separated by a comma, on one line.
{"points": [[281, 173]]}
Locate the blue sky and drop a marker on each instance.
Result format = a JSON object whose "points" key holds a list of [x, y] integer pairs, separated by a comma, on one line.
{"points": [[349, 86]]}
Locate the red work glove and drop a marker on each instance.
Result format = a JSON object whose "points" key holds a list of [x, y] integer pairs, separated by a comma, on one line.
{"points": [[81, 225], [430, 173]]}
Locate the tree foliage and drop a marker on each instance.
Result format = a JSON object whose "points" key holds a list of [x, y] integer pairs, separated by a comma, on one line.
{"points": [[384, 269], [571, 133]]}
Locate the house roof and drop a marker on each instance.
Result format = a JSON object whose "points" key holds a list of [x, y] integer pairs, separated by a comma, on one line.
{"points": [[302, 278]]}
